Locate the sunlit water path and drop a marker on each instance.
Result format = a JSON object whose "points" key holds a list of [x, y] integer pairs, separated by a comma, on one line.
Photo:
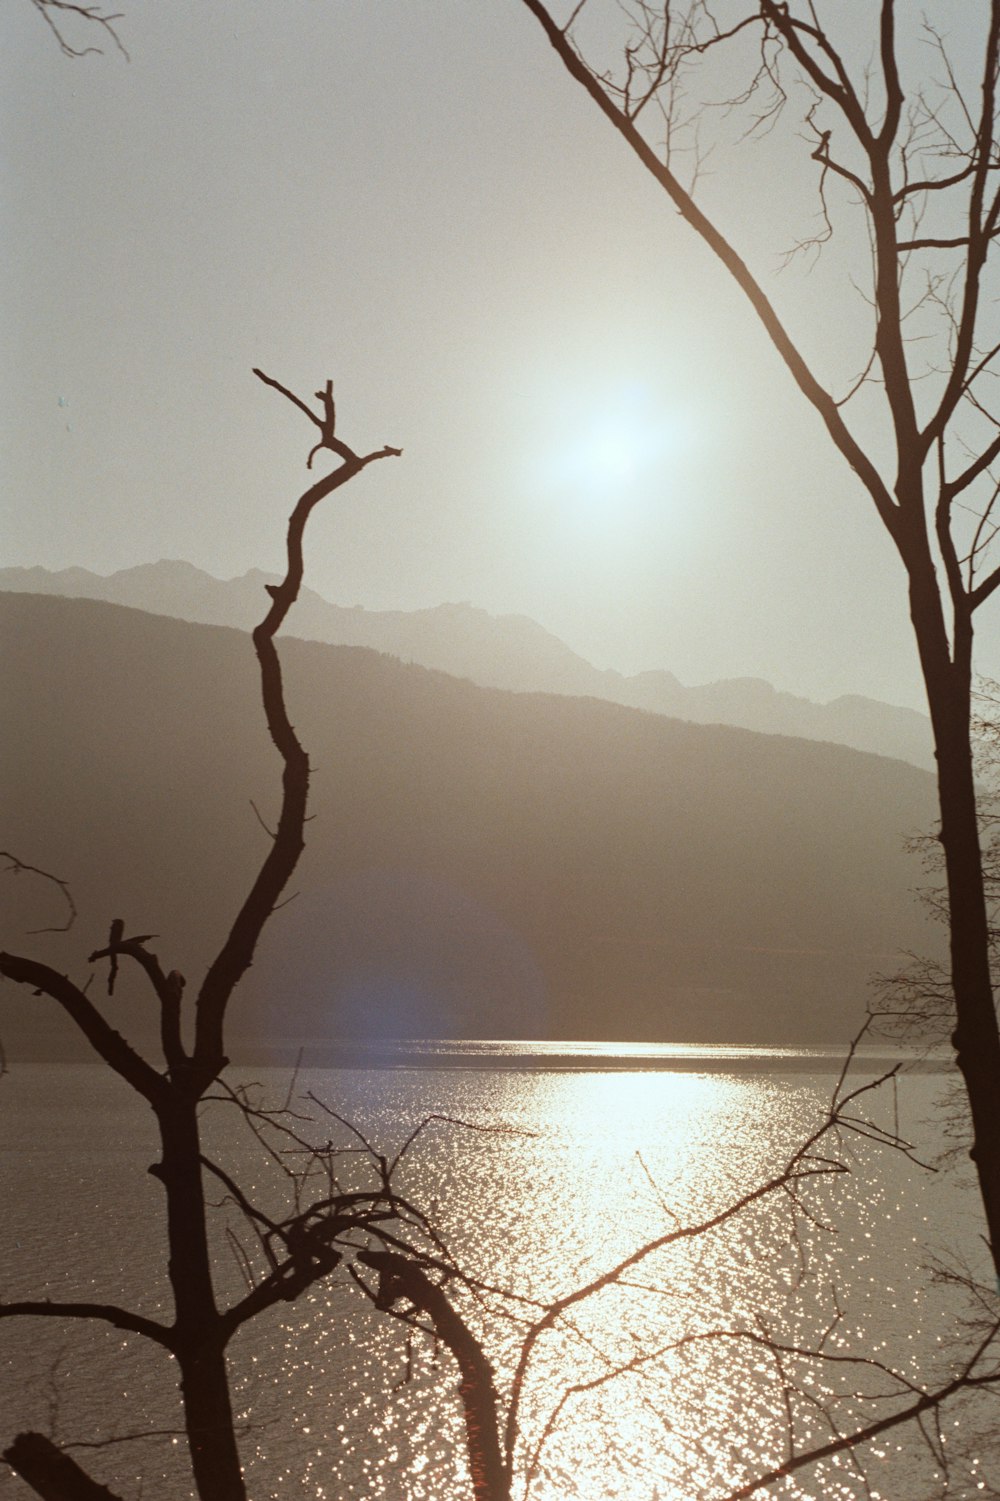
{"points": [[597, 1163]]}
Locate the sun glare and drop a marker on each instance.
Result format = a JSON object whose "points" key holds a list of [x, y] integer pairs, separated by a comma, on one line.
{"points": [[602, 459], [612, 454]]}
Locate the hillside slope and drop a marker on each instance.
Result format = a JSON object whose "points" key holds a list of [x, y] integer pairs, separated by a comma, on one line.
{"points": [[481, 863], [505, 651]]}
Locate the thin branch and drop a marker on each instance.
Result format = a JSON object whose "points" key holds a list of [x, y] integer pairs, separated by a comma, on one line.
{"points": [[792, 357], [93, 15], [982, 591], [16, 867], [928, 1403], [979, 466], [981, 228], [107, 1313], [169, 988]]}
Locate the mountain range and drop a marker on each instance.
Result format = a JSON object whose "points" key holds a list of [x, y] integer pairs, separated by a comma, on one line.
{"points": [[507, 651], [481, 863]]}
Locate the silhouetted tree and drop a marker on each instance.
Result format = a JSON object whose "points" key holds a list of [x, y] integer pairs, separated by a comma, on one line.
{"points": [[916, 162], [176, 1085]]}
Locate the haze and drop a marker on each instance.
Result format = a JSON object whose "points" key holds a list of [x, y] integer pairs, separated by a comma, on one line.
{"points": [[414, 200]]}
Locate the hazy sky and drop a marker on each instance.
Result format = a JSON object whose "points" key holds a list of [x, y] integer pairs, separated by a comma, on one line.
{"points": [[411, 197]]}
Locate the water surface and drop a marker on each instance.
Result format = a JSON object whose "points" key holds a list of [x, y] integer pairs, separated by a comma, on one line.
{"points": [[580, 1166]]}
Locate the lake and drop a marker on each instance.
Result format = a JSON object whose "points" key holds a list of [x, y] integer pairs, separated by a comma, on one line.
{"points": [[581, 1153]]}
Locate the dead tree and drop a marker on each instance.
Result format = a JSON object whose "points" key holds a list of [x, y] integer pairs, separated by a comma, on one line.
{"points": [[175, 1085], [917, 166]]}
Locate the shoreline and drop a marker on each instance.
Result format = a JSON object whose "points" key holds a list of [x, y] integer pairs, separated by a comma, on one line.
{"points": [[426, 1055]]}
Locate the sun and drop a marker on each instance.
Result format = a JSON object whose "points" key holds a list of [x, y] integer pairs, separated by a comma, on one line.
{"points": [[613, 453], [605, 459]]}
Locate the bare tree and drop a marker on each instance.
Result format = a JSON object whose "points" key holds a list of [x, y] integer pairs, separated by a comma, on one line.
{"points": [[914, 169], [175, 1085]]}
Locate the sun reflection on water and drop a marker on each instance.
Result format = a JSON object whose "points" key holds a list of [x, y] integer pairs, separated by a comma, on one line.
{"points": [[647, 1388], [624, 1157], [651, 1388]]}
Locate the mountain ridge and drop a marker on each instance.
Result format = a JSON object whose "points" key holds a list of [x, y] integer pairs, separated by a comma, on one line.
{"points": [[504, 651]]}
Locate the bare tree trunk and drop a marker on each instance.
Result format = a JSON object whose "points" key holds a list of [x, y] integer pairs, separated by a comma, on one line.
{"points": [[208, 1421], [943, 476], [975, 1038], [198, 1338], [977, 1049]]}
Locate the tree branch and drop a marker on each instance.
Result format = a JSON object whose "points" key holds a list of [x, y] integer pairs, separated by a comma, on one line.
{"points": [[929, 1402], [981, 593], [92, 14], [107, 1313], [169, 988], [980, 234], [108, 1043], [50, 1473], [794, 361], [16, 867], [237, 952]]}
